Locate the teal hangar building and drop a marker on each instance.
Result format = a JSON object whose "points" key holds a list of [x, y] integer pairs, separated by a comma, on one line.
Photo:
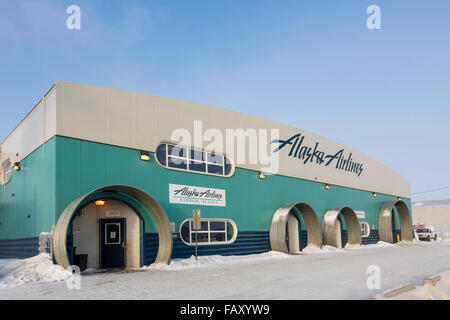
{"points": [[114, 176]]}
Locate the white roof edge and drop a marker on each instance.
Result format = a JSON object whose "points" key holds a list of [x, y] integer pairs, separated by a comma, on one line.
{"points": [[28, 114]]}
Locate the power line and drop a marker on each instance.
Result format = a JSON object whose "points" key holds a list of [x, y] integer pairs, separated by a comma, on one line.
{"points": [[443, 188]]}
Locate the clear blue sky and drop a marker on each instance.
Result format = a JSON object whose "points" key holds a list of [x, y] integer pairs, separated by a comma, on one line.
{"points": [[310, 64]]}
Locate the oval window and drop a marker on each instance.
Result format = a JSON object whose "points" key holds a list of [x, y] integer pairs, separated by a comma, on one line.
{"points": [[213, 231], [6, 171], [176, 157]]}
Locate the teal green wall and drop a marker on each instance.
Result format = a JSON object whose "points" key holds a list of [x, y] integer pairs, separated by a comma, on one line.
{"points": [[251, 202], [64, 168], [34, 194]]}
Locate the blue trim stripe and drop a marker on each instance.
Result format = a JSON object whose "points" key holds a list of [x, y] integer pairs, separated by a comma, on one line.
{"points": [[19, 248], [247, 242], [70, 248], [372, 238], [151, 244], [303, 239]]}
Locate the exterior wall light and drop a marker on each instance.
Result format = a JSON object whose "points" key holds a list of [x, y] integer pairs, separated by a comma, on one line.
{"points": [[145, 155], [399, 198], [16, 166], [374, 194], [100, 202], [261, 175], [327, 187]]}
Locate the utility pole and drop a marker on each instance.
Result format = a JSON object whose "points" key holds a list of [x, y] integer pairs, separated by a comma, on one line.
{"points": [[196, 224]]}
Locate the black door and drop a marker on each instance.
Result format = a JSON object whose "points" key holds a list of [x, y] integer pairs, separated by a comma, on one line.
{"points": [[112, 243], [344, 235]]}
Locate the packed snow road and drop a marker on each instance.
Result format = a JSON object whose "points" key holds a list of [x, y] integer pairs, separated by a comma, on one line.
{"points": [[326, 274]]}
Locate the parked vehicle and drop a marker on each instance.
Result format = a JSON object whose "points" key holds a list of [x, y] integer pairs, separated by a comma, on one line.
{"points": [[426, 234]]}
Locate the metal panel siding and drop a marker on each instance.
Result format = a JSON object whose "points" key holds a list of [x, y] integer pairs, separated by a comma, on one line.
{"points": [[372, 238], [151, 244], [31, 192], [141, 121], [38, 126], [303, 239], [117, 117], [19, 248], [251, 202], [249, 242], [63, 168], [246, 243]]}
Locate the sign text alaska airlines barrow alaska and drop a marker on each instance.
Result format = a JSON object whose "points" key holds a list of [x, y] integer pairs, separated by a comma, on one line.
{"points": [[315, 155], [196, 195]]}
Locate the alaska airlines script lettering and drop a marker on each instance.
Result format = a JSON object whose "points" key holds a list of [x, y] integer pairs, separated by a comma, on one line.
{"points": [[315, 155], [208, 194]]}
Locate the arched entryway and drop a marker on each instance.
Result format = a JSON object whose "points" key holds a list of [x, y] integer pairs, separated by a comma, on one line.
{"points": [[334, 221], [150, 204], [385, 222], [107, 233], [285, 231]]}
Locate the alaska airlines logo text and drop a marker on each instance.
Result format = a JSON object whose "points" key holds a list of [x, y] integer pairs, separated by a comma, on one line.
{"points": [[194, 195], [315, 155]]}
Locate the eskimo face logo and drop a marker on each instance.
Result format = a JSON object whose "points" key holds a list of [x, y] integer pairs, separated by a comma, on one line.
{"points": [[315, 155]]}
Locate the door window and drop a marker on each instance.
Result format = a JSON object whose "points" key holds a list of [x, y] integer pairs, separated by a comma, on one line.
{"points": [[112, 233]]}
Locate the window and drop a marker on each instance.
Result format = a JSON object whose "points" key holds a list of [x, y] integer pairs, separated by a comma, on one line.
{"points": [[213, 231], [365, 229], [112, 233], [194, 160], [6, 172]]}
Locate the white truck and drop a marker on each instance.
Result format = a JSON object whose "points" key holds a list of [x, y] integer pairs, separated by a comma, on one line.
{"points": [[426, 234]]}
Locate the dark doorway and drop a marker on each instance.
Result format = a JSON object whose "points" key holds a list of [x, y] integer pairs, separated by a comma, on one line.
{"points": [[293, 233], [342, 234], [112, 243], [395, 233]]}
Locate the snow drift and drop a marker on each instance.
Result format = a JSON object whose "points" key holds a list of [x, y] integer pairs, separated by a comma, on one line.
{"points": [[37, 268]]}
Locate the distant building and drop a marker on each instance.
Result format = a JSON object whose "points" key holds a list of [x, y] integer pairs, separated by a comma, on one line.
{"points": [[435, 214]]}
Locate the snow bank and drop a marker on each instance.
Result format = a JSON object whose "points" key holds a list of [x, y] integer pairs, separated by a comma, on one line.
{"points": [[38, 268], [439, 291], [215, 260], [327, 248]]}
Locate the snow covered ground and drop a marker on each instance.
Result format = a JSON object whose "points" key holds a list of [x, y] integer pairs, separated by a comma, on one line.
{"points": [[428, 291], [316, 274]]}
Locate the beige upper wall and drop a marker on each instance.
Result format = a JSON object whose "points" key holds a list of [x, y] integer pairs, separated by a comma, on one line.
{"points": [[37, 127], [142, 121]]}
